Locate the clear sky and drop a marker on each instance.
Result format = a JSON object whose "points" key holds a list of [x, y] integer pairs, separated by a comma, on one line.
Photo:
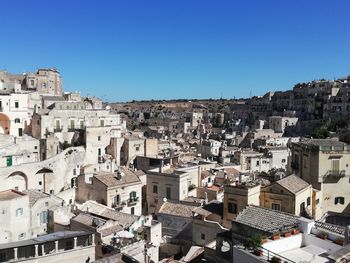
{"points": [[127, 49]]}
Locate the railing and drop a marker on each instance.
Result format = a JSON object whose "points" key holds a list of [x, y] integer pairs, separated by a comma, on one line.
{"points": [[58, 129], [333, 173], [273, 257], [132, 201], [118, 206], [266, 255]]}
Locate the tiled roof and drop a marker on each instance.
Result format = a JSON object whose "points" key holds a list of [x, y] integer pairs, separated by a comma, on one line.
{"points": [[213, 207], [293, 183], [176, 209], [205, 174], [330, 227], [89, 220], [93, 207], [10, 194], [325, 142], [112, 179], [265, 219], [34, 195]]}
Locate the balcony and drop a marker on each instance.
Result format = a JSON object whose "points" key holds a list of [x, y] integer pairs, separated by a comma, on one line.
{"points": [[335, 174], [58, 129], [132, 201], [118, 206]]}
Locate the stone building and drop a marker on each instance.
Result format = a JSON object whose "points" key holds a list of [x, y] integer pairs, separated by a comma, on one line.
{"points": [[120, 189], [325, 164], [44, 81], [15, 114], [74, 246], [290, 194]]}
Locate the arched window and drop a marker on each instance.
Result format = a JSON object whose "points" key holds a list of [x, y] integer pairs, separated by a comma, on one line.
{"points": [[17, 120]]}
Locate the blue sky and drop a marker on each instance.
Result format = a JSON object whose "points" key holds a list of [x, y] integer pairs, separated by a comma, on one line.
{"points": [[127, 49]]}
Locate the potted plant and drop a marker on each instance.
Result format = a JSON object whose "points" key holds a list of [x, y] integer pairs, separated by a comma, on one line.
{"points": [[275, 259], [275, 236], [287, 234], [254, 242], [322, 235], [264, 239], [295, 231], [339, 241]]}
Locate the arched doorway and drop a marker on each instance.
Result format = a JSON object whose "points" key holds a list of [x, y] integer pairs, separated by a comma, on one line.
{"points": [[18, 181], [45, 179], [5, 124]]}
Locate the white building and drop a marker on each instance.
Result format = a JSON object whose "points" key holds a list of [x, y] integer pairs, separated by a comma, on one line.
{"points": [[15, 115]]}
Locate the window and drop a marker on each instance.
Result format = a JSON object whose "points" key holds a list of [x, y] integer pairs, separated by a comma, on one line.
{"points": [[19, 211], [283, 160], [20, 132], [74, 171], [58, 124], [308, 201], [132, 196], [339, 200], [132, 210], [302, 207], [43, 217], [168, 193], [73, 182], [275, 206], [155, 189], [32, 82], [317, 201], [99, 138], [232, 208], [46, 203], [72, 124], [40, 182], [102, 123], [16, 104], [335, 165], [99, 152], [81, 124], [17, 120], [116, 199], [52, 192], [22, 236], [202, 236]]}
